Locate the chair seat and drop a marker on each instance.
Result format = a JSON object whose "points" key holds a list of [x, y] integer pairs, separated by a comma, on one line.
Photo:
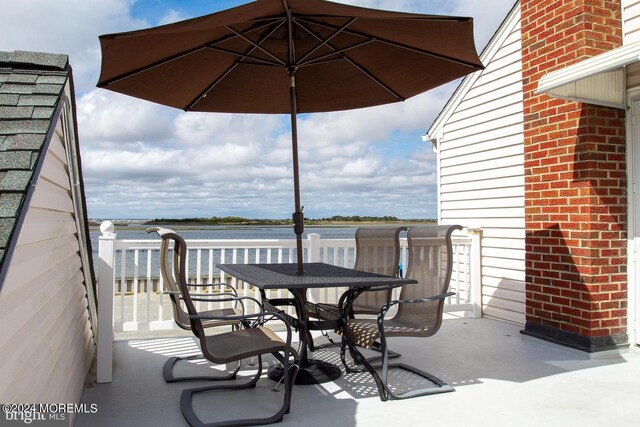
{"points": [[242, 344], [364, 332]]}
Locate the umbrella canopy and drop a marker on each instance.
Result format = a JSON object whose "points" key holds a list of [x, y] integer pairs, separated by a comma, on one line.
{"points": [[289, 56]]}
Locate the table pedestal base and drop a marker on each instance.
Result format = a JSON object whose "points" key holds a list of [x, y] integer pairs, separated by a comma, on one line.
{"points": [[312, 372]]}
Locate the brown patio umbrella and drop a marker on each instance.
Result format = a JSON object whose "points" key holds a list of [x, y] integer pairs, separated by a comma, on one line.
{"points": [[289, 56]]}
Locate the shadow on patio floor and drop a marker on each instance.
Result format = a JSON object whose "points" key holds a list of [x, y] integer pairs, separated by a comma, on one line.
{"points": [[501, 378]]}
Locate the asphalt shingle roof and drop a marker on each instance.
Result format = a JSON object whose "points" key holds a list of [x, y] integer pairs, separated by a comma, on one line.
{"points": [[31, 85]]}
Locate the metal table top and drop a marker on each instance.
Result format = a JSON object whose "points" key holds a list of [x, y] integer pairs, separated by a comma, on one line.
{"points": [[316, 275]]}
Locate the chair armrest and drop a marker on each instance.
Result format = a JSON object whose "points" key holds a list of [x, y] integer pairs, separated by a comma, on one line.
{"points": [[214, 295], [203, 285], [261, 318], [199, 295], [237, 299], [385, 308], [179, 294]]}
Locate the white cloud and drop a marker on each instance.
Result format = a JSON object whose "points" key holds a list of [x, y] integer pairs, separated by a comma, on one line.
{"points": [[172, 16], [108, 116], [240, 129], [71, 27], [144, 160]]}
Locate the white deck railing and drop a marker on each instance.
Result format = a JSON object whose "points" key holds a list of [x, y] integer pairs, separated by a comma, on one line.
{"points": [[134, 287]]}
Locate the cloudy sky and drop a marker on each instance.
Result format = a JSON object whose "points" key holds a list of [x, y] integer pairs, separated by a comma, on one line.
{"points": [[143, 160]]}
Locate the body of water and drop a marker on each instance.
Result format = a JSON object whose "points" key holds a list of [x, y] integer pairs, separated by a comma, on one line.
{"points": [[137, 232]]}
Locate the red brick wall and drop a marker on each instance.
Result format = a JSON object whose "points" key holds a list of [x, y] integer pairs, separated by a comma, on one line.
{"points": [[575, 182]]}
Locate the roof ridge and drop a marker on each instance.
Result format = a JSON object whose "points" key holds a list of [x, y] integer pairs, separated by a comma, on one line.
{"points": [[24, 60]]}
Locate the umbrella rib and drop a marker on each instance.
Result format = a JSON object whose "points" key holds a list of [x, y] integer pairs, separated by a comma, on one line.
{"points": [[324, 42], [318, 62], [182, 54], [362, 69], [245, 56], [257, 45], [322, 59], [399, 45], [150, 66], [374, 78], [436, 18], [228, 70], [292, 53], [228, 37], [142, 33]]}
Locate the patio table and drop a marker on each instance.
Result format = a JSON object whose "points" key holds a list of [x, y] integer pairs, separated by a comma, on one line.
{"points": [[316, 275]]}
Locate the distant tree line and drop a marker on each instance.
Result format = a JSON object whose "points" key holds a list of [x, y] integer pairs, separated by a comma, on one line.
{"points": [[236, 220]]}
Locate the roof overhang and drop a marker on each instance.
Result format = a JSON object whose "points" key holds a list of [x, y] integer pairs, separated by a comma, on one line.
{"points": [[599, 80]]}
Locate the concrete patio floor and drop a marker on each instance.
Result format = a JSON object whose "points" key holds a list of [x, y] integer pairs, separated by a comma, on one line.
{"points": [[501, 378]]}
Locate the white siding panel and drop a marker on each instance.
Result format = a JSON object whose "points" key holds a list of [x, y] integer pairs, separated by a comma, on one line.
{"points": [[482, 203], [495, 212], [55, 171], [504, 233], [493, 242], [487, 175], [509, 99], [516, 286], [48, 195], [503, 273], [501, 121], [633, 75], [484, 163], [476, 116], [56, 147], [475, 222], [503, 253], [491, 136], [48, 253], [495, 151], [491, 86], [496, 183], [481, 171], [46, 223], [46, 339], [631, 20], [489, 97], [506, 263], [480, 195]]}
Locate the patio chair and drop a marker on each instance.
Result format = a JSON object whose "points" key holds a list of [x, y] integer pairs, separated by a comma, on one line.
{"points": [[170, 274], [419, 309], [255, 340], [377, 251]]}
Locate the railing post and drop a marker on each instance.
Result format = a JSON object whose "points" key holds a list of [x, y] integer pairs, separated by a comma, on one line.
{"points": [[314, 247], [106, 284], [313, 256], [475, 271]]}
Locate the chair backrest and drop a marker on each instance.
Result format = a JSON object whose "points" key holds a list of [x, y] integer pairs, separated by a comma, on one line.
{"points": [[172, 272], [377, 251], [430, 263]]}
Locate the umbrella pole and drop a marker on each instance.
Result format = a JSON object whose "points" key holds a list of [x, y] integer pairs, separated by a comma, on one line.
{"points": [[298, 216]]}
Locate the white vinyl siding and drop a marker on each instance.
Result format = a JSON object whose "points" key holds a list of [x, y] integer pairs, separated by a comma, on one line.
{"points": [[631, 31], [46, 338], [481, 171], [631, 21]]}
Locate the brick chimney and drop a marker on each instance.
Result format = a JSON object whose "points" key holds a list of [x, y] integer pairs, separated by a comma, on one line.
{"points": [[575, 183]]}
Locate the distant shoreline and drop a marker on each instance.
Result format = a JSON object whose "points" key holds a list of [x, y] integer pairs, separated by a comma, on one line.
{"points": [[337, 221], [267, 223]]}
